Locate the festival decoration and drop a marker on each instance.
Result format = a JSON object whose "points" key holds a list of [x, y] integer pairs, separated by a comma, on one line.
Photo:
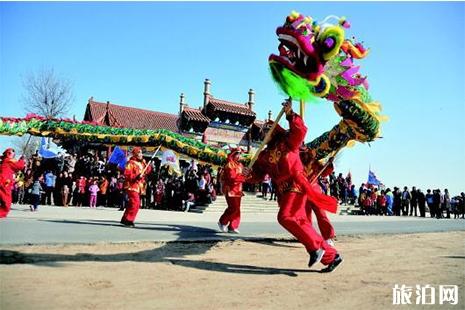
{"points": [[316, 60], [92, 132]]}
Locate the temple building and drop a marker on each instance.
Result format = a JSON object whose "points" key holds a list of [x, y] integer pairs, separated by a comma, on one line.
{"points": [[218, 122]]}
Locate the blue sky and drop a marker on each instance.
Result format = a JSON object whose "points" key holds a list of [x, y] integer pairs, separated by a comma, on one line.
{"points": [[145, 54]]}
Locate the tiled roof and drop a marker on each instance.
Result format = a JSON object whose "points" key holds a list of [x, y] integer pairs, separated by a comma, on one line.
{"points": [[260, 124], [194, 115], [226, 106], [121, 116]]}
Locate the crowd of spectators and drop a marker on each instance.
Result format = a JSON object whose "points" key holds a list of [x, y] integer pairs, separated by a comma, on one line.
{"points": [[410, 202], [88, 180]]}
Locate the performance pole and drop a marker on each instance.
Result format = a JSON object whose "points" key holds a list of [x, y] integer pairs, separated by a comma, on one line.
{"points": [[151, 159], [327, 164], [267, 138], [302, 108], [27, 144]]}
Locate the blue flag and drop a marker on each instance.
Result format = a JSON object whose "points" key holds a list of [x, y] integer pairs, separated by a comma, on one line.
{"points": [[118, 157], [45, 151], [372, 179]]}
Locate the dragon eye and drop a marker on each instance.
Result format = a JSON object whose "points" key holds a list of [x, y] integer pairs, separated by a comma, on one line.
{"points": [[329, 43]]}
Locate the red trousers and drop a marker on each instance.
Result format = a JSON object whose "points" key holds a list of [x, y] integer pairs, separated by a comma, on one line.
{"points": [[293, 218], [132, 208], [5, 201], [232, 214], [326, 229]]}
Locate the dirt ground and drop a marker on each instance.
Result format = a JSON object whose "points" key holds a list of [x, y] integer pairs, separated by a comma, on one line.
{"points": [[228, 274]]}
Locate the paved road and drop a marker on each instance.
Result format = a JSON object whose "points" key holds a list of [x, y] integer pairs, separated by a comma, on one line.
{"points": [[54, 225]]}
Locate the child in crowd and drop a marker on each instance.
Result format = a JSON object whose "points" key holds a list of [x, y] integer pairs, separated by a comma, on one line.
{"points": [[36, 190], [93, 189]]}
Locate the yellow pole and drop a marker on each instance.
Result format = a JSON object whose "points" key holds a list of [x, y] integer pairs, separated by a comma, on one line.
{"points": [[302, 108]]}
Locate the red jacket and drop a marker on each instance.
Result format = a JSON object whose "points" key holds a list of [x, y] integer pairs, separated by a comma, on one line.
{"points": [[281, 160], [8, 168], [232, 178], [133, 169]]}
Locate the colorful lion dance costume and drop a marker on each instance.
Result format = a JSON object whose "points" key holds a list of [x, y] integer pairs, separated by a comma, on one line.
{"points": [[316, 60]]}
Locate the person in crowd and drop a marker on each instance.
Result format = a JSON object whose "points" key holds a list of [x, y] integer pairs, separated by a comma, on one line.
{"points": [[381, 203], [20, 187], [389, 202], [272, 191], [135, 171], [282, 161], [70, 163], [102, 197], [368, 203], [446, 203], [342, 189], [212, 189], [65, 189], [36, 191], [232, 179], [57, 191], [352, 195], [437, 203], [421, 202], [202, 191], [397, 207], [28, 181], [413, 201], [405, 202], [35, 162], [93, 190], [360, 191], [159, 193], [429, 202], [81, 191], [462, 205], [50, 179], [266, 184], [8, 167]]}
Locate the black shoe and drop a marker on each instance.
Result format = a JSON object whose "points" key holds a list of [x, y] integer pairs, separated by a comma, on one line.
{"points": [[336, 262], [315, 257], [127, 223]]}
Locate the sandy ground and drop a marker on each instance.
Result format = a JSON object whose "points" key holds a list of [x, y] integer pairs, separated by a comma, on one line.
{"points": [[228, 274]]}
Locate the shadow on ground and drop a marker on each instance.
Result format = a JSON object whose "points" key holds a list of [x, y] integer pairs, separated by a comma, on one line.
{"points": [[168, 252]]}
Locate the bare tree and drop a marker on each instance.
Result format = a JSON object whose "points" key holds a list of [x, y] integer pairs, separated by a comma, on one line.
{"points": [[47, 94], [26, 145]]}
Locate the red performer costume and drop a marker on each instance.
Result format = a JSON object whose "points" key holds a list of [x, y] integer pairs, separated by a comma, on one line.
{"points": [[8, 167], [282, 162], [232, 179], [133, 183], [312, 169]]}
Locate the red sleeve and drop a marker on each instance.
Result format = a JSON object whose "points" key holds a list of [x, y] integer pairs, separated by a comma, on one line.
{"points": [[17, 165], [257, 175], [297, 132]]}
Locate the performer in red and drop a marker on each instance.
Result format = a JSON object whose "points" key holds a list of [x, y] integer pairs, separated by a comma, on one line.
{"points": [[8, 167], [232, 178], [282, 162], [314, 168], [134, 175]]}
